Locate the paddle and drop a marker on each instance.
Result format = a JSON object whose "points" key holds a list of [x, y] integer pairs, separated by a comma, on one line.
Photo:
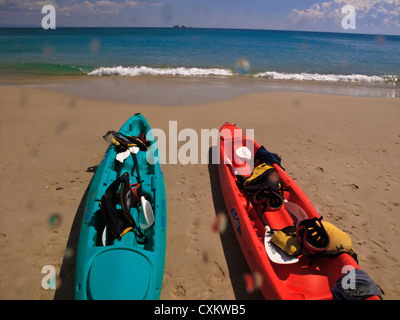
{"points": [[295, 211], [274, 253], [122, 156], [146, 206]]}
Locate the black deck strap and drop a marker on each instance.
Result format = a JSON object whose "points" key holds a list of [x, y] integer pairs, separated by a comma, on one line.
{"points": [[117, 221], [123, 142]]}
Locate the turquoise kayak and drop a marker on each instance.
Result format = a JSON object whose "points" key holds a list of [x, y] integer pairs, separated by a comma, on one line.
{"points": [[126, 268]]}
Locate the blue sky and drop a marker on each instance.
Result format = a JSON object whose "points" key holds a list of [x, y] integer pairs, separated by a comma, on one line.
{"points": [[372, 16]]}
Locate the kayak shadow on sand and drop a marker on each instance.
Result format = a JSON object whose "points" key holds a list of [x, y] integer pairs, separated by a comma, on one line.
{"points": [[235, 260], [66, 283]]}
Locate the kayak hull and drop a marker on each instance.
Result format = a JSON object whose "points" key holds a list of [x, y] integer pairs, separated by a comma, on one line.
{"points": [[123, 269], [304, 279]]}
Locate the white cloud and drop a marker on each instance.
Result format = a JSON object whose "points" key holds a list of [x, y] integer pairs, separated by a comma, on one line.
{"points": [[76, 13], [368, 13], [87, 7], [25, 4]]}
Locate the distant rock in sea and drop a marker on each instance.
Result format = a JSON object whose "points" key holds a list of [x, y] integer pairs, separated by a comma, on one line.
{"points": [[180, 27]]}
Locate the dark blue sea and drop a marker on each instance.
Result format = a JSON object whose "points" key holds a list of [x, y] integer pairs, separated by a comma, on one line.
{"points": [[192, 52]]}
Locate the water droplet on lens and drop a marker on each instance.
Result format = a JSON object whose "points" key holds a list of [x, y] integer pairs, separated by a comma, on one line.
{"points": [[94, 45], [48, 50], [204, 257], [242, 66], [380, 40], [69, 253], [55, 220], [248, 278], [220, 223], [253, 281]]}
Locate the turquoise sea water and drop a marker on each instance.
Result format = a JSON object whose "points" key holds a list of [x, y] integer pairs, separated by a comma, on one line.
{"points": [[194, 52]]}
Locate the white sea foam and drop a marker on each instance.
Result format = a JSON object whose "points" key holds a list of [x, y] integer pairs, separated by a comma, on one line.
{"points": [[204, 72], [139, 71], [320, 77]]}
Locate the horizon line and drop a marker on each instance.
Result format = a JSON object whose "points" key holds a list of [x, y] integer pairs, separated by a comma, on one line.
{"points": [[187, 27]]}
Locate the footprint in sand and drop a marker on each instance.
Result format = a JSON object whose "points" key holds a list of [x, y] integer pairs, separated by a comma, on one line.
{"points": [[181, 181], [194, 203], [179, 291], [3, 240], [379, 244], [354, 186], [208, 295], [53, 238], [193, 235]]}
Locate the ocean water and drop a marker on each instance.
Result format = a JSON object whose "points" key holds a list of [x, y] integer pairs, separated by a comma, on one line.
{"points": [[192, 52]]}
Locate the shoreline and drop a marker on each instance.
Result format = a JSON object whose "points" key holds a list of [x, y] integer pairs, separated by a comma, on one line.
{"points": [[180, 90], [342, 151]]}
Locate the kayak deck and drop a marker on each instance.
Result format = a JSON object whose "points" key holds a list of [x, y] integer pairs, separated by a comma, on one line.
{"points": [[125, 268], [305, 279]]}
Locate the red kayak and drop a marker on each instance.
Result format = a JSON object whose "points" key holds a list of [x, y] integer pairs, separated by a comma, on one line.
{"points": [[302, 277]]}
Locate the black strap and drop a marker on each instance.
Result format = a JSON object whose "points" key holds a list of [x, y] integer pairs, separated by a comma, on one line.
{"points": [[116, 225], [126, 198], [123, 142]]}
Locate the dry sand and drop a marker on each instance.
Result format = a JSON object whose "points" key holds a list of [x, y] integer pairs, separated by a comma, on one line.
{"points": [[344, 152]]}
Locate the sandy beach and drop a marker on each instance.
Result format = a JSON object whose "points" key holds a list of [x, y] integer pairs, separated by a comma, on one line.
{"points": [[343, 151]]}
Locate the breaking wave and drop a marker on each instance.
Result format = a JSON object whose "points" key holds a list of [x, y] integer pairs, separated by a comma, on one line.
{"points": [[204, 72], [360, 78], [140, 71]]}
